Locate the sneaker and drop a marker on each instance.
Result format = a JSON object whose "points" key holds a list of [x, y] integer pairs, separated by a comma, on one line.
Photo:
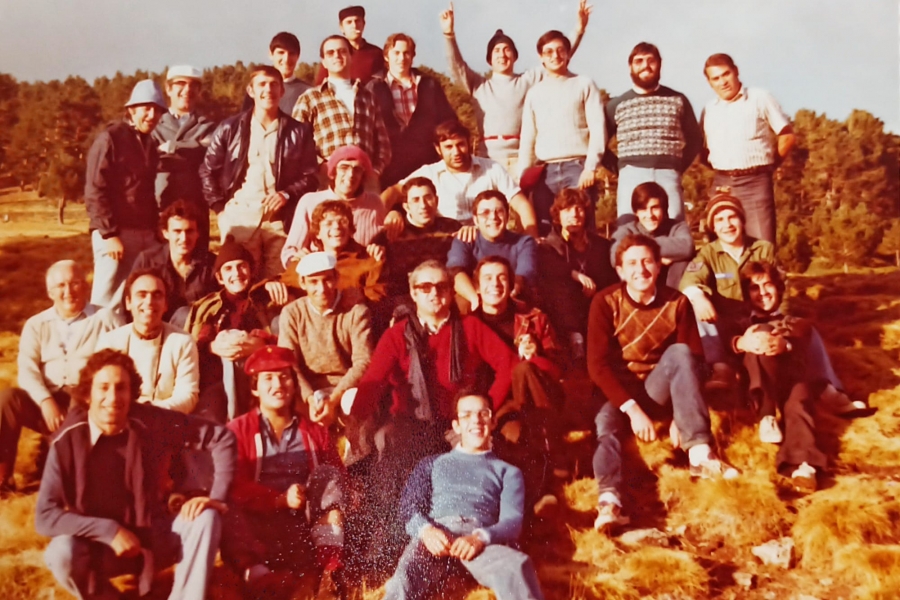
{"points": [[769, 432], [546, 506], [721, 378], [609, 514], [804, 478], [714, 468]]}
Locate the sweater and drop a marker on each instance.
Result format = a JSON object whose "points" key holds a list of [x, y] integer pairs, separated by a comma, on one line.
{"points": [[626, 340], [519, 249], [478, 487]]}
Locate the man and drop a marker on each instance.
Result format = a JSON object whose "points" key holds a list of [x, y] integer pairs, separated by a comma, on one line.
{"points": [[258, 166], [342, 112], [563, 126], [366, 59], [650, 206], [185, 265], [54, 345], [412, 105], [747, 136], [460, 177], [166, 356], [284, 52], [493, 239], [329, 333], [183, 136], [657, 132], [102, 498], [644, 354], [465, 508], [119, 191], [498, 98]]}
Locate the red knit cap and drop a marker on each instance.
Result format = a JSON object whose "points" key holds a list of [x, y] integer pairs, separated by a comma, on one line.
{"points": [[721, 200], [349, 153], [269, 358]]}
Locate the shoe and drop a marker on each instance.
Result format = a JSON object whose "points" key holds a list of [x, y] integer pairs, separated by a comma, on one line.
{"points": [[714, 468], [804, 478], [722, 378], [546, 506], [769, 432], [609, 514]]}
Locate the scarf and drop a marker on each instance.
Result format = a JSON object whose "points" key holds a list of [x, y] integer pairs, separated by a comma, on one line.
{"points": [[421, 375]]}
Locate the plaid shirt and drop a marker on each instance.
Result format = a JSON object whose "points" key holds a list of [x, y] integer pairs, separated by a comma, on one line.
{"points": [[405, 98], [335, 126]]}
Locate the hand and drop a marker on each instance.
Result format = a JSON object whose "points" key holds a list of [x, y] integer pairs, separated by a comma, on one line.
{"points": [[250, 345], [447, 21], [467, 234], [394, 225], [756, 341], [295, 496], [588, 287], [666, 261], [278, 293], [113, 248], [226, 345], [125, 543], [435, 540], [324, 411], [191, 509], [584, 15], [674, 435], [587, 179], [167, 147], [466, 547], [641, 424], [777, 345], [703, 309], [474, 303], [518, 287], [53, 417], [273, 203], [376, 252]]}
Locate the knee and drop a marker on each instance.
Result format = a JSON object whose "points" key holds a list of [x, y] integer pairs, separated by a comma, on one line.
{"points": [[607, 423], [60, 556], [679, 352]]}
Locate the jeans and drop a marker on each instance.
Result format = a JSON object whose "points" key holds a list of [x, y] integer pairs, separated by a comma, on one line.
{"points": [[713, 348], [676, 381], [110, 273], [757, 196], [631, 177], [558, 176]]}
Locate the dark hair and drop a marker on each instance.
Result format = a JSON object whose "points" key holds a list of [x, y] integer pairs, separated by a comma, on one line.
{"points": [[719, 60], [465, 393], [137, 274], [644, 48], [567, 198], [755, 268], [267, 70], [334, 37], [550, 36], [392, 40], [339, 207], [181, 209], [637, 239], [285, 41], [491, 260], [418, 182], [81, 394], [489, 195], [254, 383], [451, 129], [645, 192]]}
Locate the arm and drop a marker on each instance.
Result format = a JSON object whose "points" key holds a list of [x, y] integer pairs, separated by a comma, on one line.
{"points": [[596, 122], [459, 70], [780, 124], [512, 503], [302, 111], [697, 275], [186, 391], [383, 152], [785, 141], [678, 245], [96, 187], [360, 335], [521, 206], [31, 378], [600, 352], [527, 261], [307, 169], [499, 357], [693, 136], [297, 232], [527, 137], [376, 381], [583, 16], [415, 502], [462, 285], [213, 163]]}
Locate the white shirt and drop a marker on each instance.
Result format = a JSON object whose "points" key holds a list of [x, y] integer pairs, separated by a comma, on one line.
{"points": [[259, 181], [345, 91]]}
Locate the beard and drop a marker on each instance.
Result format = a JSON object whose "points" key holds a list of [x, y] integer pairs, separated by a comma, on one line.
{"points": [[646, 84]]}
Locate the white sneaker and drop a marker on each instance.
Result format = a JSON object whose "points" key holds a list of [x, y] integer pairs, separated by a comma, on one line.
{"points": [[804, 478], [769, 432]]}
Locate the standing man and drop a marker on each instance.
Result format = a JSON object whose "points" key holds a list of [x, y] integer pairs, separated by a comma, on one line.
{"points": [[258, 166], [284, 52], [119, 190], [747, 136], [657, 132], [366, 59], [183, 136], [563, 128]]}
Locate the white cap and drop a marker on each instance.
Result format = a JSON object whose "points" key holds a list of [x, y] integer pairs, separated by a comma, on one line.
{"points": [[316, 262], [183, 72], [146, 92]]}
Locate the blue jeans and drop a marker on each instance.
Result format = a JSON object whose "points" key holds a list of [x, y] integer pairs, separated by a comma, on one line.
{"points": [[558, 176], [110, 273], [713, 347], [631, 177], [676, 381]]}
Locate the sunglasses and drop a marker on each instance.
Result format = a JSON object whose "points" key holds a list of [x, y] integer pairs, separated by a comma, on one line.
{"points": [[426, 287]]}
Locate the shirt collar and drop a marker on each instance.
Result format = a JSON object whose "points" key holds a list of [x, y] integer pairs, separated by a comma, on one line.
{"points": [[330, 309], [459, 448], [391, 80], [270, 431], [431, 331], [741, 95], [273, 126], [87, 311]]}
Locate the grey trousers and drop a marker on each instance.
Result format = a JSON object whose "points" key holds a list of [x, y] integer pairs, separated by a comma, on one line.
{"points": [[83, 567], [757, 195]]}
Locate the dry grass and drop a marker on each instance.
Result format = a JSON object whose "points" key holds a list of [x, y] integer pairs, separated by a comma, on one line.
{"points": [[847, 535]]}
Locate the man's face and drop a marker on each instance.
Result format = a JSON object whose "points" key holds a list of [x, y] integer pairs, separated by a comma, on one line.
{"points": [[493, 284], [421, 205], [321, 288], [110, 399], [348, 176], [183, 93], [724, 82], [352, 28], [275, 389], [555, 57], [334, 232], [68, 290], [400, 59], [336, 57], [728, 226], [651, 216], [473, 423], [145, 116], [503, 59], [764, 293], [147, 302], [490, 218], [182, 235], [266, 91], [572, 219], [234, 276], [455, 153], [639, 269], [284, 61], [645, 71], [432, 292]]}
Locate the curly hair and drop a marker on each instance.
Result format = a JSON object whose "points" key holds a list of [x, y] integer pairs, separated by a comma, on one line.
{"points": [[106, 358], [567, 198], [337, 207]]}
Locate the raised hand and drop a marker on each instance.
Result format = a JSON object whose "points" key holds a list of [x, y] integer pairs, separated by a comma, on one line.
{"points": [[447, 21], [584, 15]]}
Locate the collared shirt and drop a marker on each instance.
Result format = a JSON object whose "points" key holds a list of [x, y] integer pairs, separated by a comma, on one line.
{"points": [[95, 431], [456, 191], [742, 133], [406, 96], [260, 178], [433, 330], [328, 311], [285, 461]]}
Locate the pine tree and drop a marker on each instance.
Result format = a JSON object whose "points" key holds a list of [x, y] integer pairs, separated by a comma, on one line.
{"points": [[890, 242], [849, 235], [9, 107]]}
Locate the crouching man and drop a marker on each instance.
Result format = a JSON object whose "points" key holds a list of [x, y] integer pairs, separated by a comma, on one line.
{"points": [[465, 508], [102, 495]]}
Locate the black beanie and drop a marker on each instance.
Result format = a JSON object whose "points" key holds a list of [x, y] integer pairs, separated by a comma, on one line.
{"points": [[351, 11], [498, 38], [231, 250]]}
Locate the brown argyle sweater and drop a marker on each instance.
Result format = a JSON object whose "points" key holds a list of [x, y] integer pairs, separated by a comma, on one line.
{"points": [[627, 339]]}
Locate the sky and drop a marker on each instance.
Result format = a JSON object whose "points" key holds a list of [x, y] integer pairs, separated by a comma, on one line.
{"points": [[830, 56]]}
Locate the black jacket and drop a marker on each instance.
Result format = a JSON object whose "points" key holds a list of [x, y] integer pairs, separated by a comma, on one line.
{"points": [[225, 166], [180, 292], [178, 178]]}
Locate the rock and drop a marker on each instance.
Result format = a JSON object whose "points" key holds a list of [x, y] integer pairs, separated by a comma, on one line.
{"points": [[651, 536], [769, 595], [744, 579], [776, 552], [826, 581]]}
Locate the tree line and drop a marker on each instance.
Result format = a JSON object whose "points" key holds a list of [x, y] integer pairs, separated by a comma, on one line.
{"points": [[837, 194]]}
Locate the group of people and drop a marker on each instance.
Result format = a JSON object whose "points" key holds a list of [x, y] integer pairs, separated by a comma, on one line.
{"points": [[367, 378]]}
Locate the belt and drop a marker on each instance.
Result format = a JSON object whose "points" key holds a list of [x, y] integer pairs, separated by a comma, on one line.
{"points": [[749, 171], [500, 137]]}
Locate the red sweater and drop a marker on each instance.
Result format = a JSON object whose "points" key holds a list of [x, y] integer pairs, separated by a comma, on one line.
{"points": [[390, 364]]}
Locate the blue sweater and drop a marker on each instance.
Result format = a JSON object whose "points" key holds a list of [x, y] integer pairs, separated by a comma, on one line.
{"points": [[480, 487], [519, 250]]}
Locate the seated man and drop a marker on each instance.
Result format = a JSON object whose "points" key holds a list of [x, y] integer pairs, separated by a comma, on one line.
{"points": [[464, 508], [644, 353], [166, 356], [186, 267], [493, 239], [286, 499], [329, 332], [573, 266], [102, 497], [54, 345], [775, 348], [650, 206]]}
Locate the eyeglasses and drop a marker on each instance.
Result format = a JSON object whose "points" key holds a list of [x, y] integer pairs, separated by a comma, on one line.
{"points": [[484, 214], [342, 221], [483, 414], [337, 51], [426, 287], [342, 168]]}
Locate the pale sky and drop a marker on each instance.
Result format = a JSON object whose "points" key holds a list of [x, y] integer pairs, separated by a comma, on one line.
{"points": [[827, 55]]}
